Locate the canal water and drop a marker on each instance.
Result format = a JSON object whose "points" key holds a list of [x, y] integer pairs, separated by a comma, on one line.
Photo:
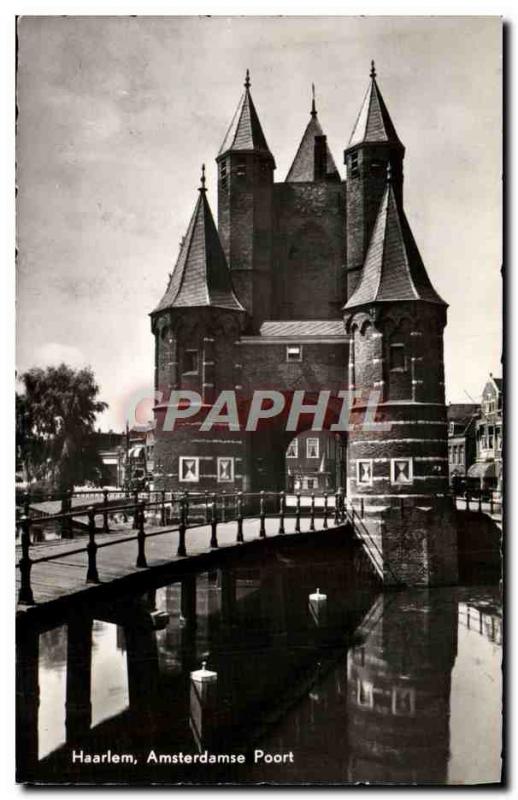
{"points": [[357, 686]]}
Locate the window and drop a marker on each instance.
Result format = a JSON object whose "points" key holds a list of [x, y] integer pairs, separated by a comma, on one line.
{"points": [[189, 469], [294, 352], [452, 428], [403, 701], [241, 168], [461, 454], [364, 471], [353, 164], [397, 357], [311, 483], [365, 694], [225, 469], [190, 362], [401, 471], [312, 448], [223, 174], [293, 449]]}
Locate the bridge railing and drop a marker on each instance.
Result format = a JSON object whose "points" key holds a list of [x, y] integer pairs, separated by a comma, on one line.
{"points": [[186, 511]]}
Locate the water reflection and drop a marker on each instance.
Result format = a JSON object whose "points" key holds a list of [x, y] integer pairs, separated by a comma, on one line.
{"points": [[400, 687]]}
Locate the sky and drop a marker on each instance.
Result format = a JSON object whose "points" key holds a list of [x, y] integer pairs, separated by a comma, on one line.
{"points": [[117, 114]]}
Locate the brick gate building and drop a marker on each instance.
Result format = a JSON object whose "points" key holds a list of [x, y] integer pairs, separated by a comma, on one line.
{"points": [[314, 283]]}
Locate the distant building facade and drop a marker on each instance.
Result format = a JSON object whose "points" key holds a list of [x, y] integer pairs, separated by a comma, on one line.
{"points": [[315, 462], [462, 442], [487, 471]]}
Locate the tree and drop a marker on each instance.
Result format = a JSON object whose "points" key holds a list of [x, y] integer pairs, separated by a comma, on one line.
{"points": [[55, 417]]}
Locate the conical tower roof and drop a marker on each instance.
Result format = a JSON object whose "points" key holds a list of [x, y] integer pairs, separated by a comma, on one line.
{"points": [[393, 268], [374, 125], [245, 133], [201, 277], [303, 167]]}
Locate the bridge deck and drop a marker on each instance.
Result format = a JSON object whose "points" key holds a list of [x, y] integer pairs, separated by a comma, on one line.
{"points": [[66, 575]]}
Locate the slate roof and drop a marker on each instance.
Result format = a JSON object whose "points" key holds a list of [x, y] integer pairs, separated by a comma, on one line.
{"points": [[461, 412], [303, 167], [374, 124], [245, 132], [393, 268], [201, 276], [311, 327]]}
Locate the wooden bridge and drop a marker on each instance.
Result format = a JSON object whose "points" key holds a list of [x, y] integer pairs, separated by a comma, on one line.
{"points": [[173, 534]]}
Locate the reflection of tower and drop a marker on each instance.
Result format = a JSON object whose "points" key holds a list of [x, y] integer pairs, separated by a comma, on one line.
{"points": [[399, 690]]}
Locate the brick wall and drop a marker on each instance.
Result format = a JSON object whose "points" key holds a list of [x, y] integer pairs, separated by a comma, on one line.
{"points": [[309, 250]]}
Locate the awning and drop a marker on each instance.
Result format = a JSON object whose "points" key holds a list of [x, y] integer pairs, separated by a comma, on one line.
{"points": [[135, 452], [482, 469]]}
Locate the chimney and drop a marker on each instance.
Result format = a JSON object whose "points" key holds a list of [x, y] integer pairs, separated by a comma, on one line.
{"points": [[320, 160]]}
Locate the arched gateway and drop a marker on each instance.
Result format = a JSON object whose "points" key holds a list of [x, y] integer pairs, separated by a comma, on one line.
{"points": [[253, 348]]}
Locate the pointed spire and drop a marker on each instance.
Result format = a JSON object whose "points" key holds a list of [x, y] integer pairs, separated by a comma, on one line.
{"points": [[201, 277], [245, 132], [374, 125], [302, 169], [202, 180], [313, 107], [393, 268]]}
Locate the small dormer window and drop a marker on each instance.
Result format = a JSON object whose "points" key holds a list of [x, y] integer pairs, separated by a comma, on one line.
{"points": [[190, 362], [397, 357], [223, 175], [353, 164], [294, 352]]}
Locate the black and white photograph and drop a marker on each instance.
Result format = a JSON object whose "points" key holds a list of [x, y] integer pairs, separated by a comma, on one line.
{"points": [[259, 526]]}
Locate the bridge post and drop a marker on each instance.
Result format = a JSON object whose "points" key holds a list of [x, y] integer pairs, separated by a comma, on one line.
{"points": [[239, 515], [325, 509], [281, 513], [337, 508], [188, 602], [92, 575], [312, 513], [467, 501], [141, 537], [480, 503], [135, 513], [262, 515], [27, 504], [106, 527], [297, 514], [187, 508], [25, 595], [162, 507], [181, 529], [362, 508], [223, 498], [491, 503], [213, 525], [206, 496]]}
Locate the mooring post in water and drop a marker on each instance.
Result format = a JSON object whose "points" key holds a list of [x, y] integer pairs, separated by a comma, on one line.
{"points": [[27, 700], [92, 575], [213, 524], [281, 512], [262, 516], [25, 595], [141, 536], [239, 515], [79, 681], [297, 514], [181, 529]]}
